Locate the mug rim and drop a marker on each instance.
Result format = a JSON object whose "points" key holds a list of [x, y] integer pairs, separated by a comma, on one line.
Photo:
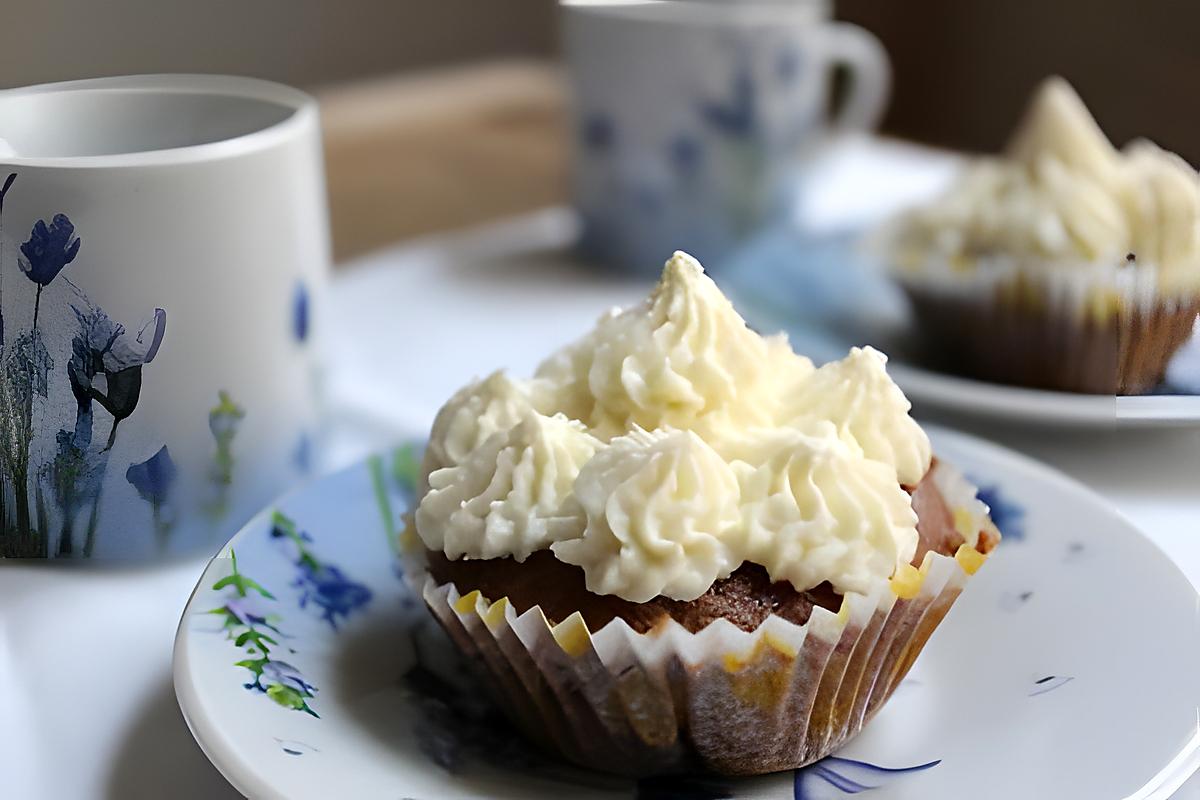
{"points": [[301, 108], [700, 13]]}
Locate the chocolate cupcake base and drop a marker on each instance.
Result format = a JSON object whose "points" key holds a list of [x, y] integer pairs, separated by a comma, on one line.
{"points": [[1045, 347], [731, 699]]}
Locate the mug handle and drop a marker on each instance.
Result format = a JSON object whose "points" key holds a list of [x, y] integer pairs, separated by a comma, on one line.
{"points": [[871, 82]]}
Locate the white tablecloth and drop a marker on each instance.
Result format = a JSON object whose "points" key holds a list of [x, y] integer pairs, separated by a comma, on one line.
{"points": [[86, 705]]}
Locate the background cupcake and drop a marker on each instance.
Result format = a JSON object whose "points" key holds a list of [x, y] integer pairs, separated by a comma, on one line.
{"points": [[1063, 264], [680, 545]]}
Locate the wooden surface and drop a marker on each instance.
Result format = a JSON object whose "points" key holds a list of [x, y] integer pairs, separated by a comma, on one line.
{"points": [[439, 150]]}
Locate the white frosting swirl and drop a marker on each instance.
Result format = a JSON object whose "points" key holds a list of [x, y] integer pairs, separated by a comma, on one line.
{"points": [[813, 510], [474, 413], [683, 354], [693, 445], [869, 411], [512, 495], [1064, 194], [662, 509]]}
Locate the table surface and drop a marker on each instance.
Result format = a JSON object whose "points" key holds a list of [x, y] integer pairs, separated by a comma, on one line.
{"points": [[86, 706]]}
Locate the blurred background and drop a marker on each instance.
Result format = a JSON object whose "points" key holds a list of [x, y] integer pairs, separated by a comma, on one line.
{"points": [[442, 114]]}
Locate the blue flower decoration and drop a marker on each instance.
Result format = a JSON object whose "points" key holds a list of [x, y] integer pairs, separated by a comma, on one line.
{"points": [[323, 585], [153, 477], [1008, 516], [846, 776], [329, 589], [787, 65], [685, 154], [49, 249], [300, 312], [738, 117]]}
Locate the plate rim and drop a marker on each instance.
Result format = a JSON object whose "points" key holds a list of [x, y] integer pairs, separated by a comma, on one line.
{"points": [[243, 776], [1041, 406]]}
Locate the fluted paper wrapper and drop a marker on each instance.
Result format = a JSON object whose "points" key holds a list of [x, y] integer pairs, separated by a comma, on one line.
{"points": [[1084, 327], [723, 699]]}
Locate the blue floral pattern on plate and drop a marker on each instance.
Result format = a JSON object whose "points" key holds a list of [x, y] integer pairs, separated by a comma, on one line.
{"points": [[438, 715]]}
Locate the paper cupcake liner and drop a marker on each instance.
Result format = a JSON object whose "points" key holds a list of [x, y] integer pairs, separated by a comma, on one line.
{"points": [[1103, 329], [722, 699]]}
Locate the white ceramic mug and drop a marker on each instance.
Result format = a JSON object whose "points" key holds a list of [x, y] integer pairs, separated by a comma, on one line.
{"points": [[164, 248], [693, 118]]}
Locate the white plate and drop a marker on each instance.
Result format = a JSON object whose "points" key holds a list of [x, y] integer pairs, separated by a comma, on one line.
{"points": [[1070, 668]]}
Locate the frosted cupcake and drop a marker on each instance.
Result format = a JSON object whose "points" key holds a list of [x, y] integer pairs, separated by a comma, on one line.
{"points": [[1064, 264], [680, 546]]}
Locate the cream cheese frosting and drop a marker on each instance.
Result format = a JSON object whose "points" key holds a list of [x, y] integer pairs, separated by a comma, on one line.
{"points": [[1062, 193], [673, 443]]}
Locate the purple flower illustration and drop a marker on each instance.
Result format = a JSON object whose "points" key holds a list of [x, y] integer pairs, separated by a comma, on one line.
{"points": [[49, 250], [246, 610], [249, 629], [284, 674]]}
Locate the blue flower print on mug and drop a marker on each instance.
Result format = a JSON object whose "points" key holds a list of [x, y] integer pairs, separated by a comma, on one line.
{"points": [[300, 312], [49, 250], [51, 479], [153, 479]]}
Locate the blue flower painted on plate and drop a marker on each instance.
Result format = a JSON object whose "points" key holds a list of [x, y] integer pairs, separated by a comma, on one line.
{"points": [[257, 634], [322, 585], [1049, 684], [834, 777], [49, 249], [300, 312], [1008, 515]]}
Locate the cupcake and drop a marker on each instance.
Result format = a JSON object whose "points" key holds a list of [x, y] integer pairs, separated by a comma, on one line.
{"points": [[1063, 264], [680, 546]]}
